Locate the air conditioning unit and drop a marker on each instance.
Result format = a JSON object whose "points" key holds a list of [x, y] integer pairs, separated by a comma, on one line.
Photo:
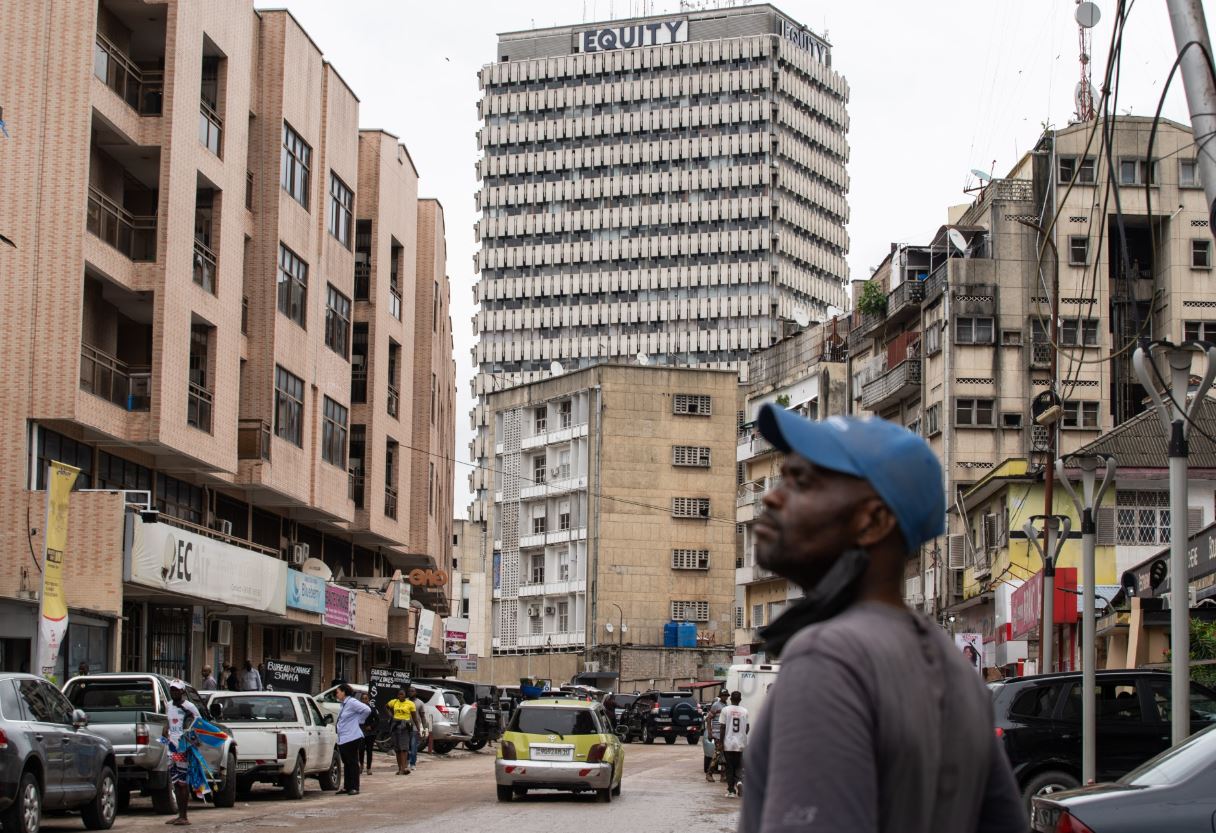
{"points": [[221, 632], [301, 641], [1168, 599], [221, 526], [591, 666], [549, 611], [299, 553], [533, 610]]}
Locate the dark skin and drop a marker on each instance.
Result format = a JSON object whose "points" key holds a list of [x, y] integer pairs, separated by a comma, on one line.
{"points": [[815, 515], [181, 791]]}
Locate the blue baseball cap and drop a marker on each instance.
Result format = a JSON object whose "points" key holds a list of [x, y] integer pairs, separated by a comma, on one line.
{"points": [[898, 464]]}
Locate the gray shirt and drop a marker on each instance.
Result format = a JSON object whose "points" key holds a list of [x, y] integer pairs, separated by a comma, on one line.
{"points": [[877, 724]]}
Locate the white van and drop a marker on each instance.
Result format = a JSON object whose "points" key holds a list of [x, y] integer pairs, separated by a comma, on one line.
{"points": [[753, 683]]}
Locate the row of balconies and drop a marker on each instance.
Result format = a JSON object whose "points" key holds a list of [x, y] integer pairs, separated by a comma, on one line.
{"points": [[670, 341], [684, 276]]}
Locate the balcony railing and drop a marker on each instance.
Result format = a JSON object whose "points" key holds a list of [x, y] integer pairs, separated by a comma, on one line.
{"points": [[210, 128], [897, 383], [904, 300], [355, 487], [394, 400], [134, 236], [390, 502], [104, 375], [253, 439], [204, 271], [198, 407], [142, 90]]}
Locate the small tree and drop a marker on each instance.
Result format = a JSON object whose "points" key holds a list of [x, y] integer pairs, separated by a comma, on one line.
{"points": [[1203, 646], [873, 300], [784, 400]]}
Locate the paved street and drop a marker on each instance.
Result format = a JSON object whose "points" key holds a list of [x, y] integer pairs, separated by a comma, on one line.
{"points": [[663, 792]]}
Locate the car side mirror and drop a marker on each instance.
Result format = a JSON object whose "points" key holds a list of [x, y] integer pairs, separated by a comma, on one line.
{"points": [[79, 719]]}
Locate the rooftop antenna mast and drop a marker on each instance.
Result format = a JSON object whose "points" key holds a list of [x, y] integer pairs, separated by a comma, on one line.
{"points": [[1087, 16]]}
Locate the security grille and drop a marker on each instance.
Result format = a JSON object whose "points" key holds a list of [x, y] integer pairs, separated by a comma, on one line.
{"points": [[687, 611], [690, 455], [691, 404], [690, 559], [690, 507]]}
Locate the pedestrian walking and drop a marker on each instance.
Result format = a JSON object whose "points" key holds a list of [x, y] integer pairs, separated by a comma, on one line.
{"points": [[251, 680], [404, 716], [209, 683], [232, 680], [351, 714], [734, 740], [82, 669], [180, 716], [838, 746], [371, 726], [713, 730], [416, 738]]}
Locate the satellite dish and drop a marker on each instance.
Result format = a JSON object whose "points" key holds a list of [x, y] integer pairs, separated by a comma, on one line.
{"points": [[316, 567], [982, 176], [608, 627], [624, 627], [556, 368], [1087, 15], [835, 312], [643, 359], [801, 318], [956, 238]]}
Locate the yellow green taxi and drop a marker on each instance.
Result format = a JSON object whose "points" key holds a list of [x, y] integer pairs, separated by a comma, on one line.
{"points": [[558, 743]]}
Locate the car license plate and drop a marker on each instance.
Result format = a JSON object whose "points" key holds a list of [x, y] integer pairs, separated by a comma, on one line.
{"points": [[244, 766], [552, 753]]}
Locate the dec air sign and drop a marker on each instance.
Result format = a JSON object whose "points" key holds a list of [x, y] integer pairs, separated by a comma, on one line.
{"points": [[626, 37]]}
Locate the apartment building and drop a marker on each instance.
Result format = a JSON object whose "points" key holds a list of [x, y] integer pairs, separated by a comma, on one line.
{"points": [[612, 495], [471, 580], [208, 409], [673, 186], [805, 372], [951, 338]]}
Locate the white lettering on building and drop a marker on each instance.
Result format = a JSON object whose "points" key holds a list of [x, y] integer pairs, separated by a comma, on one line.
{"points": [[627, 37]]}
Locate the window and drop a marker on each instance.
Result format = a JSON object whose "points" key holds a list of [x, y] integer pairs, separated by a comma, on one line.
{"points": [[563, 617], [564, 413], [933, 338], [1142, 518], [563, 515], [1080, 415], [434, 396], [538, 569], [288, 406], [1083, 168], [358, 363], [691, 404], [430, 490], [738, 617], [55, 446], [539, 470], [1117, 703], [117, 473], [690, 507], [1079, 332], [1199, 330], [1137, 172], [1078, 250], [973, 330], [341, 209], [563, 565], [1203, 708], [1201, 254], [1010, 420], [757, 615], [690, 455], [297, 159], [973, 412], [1011, 338], [683, 611], [536, 625], [933, 420], [538, 525], [1188, 174], [333, 433], [690, 559], [540, 420], [1038, 701], [43, 702], [293, 286], [337, 322], [178, 498]]}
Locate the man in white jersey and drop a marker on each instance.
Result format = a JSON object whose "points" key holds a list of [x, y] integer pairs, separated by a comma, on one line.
{"points": [[734, 741]]}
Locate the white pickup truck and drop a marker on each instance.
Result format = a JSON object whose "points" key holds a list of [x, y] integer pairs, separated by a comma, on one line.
{"points": [[282, 738]]}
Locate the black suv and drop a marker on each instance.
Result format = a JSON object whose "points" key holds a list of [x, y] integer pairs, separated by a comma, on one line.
{"points": [[1039, 721], [661, 714]]}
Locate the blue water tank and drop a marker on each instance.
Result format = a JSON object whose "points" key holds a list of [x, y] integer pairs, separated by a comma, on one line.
{"points": [[671, 635], [687, 635]]}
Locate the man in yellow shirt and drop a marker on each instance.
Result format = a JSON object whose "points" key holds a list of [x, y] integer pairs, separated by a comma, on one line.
{"points": [[404, 720]]}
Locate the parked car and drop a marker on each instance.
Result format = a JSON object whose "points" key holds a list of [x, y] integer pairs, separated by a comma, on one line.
{"points": [[282, 738], [327, 700], [1172, 791], [661, 714], [49, 760], [449, 722], [129, 711], [1039, 721], [483, 700], [559, 744], [623, 702]]}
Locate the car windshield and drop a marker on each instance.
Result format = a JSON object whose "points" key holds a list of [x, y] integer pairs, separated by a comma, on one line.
{"points": [[1194, 755], [254, 709], [550, 720], [112, 701]]}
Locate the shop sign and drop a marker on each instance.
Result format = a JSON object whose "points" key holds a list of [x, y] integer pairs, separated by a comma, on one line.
{"points": [[803, 39], [426, 629], [467, 664], [384, 683], [170, 558], [289, 676], [1027, 601], [607, 38], [305, 592], [456, 637], [428, 578], [53, 615], [339, 607]]}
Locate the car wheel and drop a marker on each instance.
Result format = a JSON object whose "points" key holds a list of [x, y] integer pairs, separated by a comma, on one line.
{"points": [[669, 740], [504, 793], [294, 783], [99, 813], [646, 736], [24, 815], [1047, 783], [443, 747], [226, 797], [330, 778], [622, 732], [604, 795], [692, 739], [475, 744], [163, 802], [617, 789]]}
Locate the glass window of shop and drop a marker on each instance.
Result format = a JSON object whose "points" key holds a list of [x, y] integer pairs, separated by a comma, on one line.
{"points": [[53, 446], [88, 642]]}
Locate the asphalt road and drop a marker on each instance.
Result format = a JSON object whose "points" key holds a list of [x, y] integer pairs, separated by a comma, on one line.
{"points": [[664, 791]]}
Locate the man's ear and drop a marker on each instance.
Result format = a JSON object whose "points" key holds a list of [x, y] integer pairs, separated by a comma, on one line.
{"points": [[873, 522]]}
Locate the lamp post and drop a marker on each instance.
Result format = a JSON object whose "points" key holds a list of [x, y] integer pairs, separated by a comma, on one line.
{"points": [[1055, 543]]}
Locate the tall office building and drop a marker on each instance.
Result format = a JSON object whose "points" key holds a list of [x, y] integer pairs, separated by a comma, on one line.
{"points": [[673, 186]]}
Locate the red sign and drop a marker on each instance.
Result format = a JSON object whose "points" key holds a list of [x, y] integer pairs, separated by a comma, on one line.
{"points": [[1027, 601]]}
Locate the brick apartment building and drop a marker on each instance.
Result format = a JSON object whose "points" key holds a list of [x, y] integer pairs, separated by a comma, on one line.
{"points": [[233, 318]]}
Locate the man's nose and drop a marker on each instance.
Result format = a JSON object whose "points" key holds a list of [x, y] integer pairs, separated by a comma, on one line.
{"points": [[773, 498]]}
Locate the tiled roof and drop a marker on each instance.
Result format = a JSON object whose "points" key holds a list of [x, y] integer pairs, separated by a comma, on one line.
{"points": [[1140, 442]]}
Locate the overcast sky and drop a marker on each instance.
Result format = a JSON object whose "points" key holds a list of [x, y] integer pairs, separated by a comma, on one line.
{"points": [[938, 87]]}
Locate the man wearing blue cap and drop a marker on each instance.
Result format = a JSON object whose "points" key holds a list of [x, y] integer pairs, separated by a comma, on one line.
{"points": [[876, 722]]}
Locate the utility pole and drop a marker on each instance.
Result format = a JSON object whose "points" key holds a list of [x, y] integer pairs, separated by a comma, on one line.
{"points": [[1055, 544], [1187, 21], [1086, 504], [1176, 417]]}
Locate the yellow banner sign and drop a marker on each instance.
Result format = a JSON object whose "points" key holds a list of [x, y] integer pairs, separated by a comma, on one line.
{"points": [[54, 619]]}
